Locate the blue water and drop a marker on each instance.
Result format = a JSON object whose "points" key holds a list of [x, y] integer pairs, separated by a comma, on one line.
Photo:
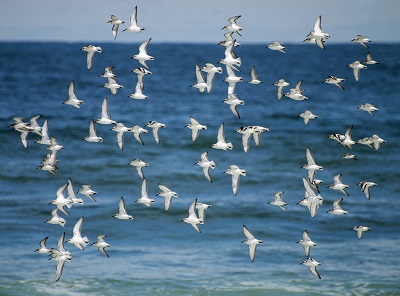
{"points": [[156, 254]]}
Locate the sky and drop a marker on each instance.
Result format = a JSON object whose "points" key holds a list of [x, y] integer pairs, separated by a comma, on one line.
{"points": [[263, 21]]}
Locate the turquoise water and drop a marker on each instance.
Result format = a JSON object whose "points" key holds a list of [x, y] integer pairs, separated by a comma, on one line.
{"points": [[156, 254]]}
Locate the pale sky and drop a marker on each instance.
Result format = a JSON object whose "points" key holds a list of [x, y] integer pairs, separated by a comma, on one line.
{"points": [[198, 21]]}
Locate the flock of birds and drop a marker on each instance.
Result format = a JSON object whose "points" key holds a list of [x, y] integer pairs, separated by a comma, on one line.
{"points": [[196, 212]]}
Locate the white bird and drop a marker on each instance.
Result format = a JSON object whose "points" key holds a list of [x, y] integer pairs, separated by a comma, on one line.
{"points": [[115, 22], [195, 126], [60, 255], [105, 116], [48, 167], [377, 141], [137, 130], [232, 100], [307, 243], [120, 128], [362, 40], [338, 185], [45, 140], [90, 49], [92, 137], [210, 69], [142, 56], [20, 126], [235, 171], [112, 85], [349, 156], [275, 45], [232, 79], [366, 141], [167, 194], [77, 240], [43, 249], [156, 126], [278, 200], [313, 198], [141, 72], [71, 193], [337, 210], [347, 141], [221, 143], [357, 66], [61, 200], [201, 209], [311, 166], [281, 83], [231, 59], [246, 132], [55, 219], [318, 35], [369, 60], [101, 244], [335, 81], [134, 27], [122, 214], [144, 198], [87, 191], [254, 76], [312, 264], [233, 26], [258, 130], [49, 163], [368, 108], [200, 83], [307, 115], [228, 40], [72, 99], [252, 242], [365, 187], [360, 230], [206, 165], [138, 94], [296, 93], [139, 164], [34, 126], [54, 146], [192, 218], [108, 72]]}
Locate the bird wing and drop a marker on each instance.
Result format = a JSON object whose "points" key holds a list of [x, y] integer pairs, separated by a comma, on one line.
{"points": [[192, 212], [199, 75], [247, 233], [252, 252], [206, 171], [336, 204], [246, 141], [59, 269], [121, 206], [120, 140], [104, 109], [143, 47], [134, 17], [220, 135], [144, 188], [317, 25], [92, 129], [77, 227], [310, 157]]}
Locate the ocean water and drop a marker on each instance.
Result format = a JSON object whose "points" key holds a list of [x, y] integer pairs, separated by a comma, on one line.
{"points": [[156, 254]]}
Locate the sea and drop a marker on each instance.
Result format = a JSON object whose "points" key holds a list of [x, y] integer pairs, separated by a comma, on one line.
{"points": [[156, 253]]}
